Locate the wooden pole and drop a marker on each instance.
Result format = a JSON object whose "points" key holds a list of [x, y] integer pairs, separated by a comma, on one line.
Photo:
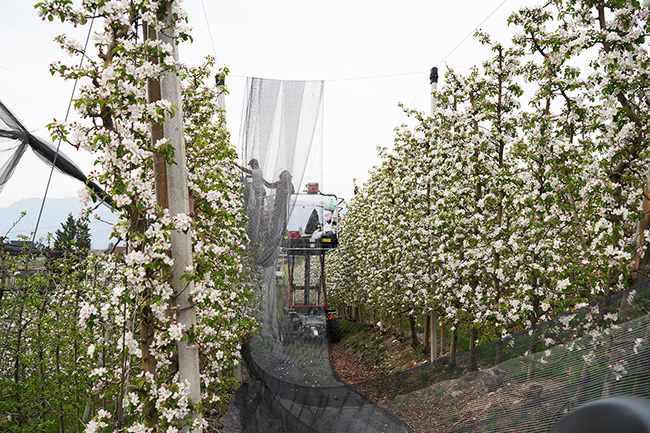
{"points": [[160, 182], [640, 261], [157, 132]]}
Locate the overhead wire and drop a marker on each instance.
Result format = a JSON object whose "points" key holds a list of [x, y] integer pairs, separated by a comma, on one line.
{"points": [[45, 89], [381, 76], [399, 74], [471, 33], [445, 58], [339, 79], [40, 213], [58, 146], [207, 22], [363, 77], [216, 58]]}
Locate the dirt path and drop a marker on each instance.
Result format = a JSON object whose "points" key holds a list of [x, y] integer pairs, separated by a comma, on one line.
{"points": [[366, 354], [352, 367]]}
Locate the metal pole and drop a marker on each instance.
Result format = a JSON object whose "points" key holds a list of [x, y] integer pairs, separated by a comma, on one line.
{"points": [[307, 275], [433, 79], [178, 194], [220, 80]]}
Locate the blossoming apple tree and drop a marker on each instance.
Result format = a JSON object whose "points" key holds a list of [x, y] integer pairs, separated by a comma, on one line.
{"points": [[533, 168], [133, 356]]}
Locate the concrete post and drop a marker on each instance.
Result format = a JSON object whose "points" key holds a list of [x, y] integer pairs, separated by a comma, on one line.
{"points": [[178, 195], [433, 79]]}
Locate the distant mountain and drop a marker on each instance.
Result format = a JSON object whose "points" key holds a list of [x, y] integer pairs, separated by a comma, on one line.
{"points": [[55, 212]]}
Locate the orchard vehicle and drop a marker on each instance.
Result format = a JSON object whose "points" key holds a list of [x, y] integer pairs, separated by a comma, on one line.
{"points": [[307, 316]]}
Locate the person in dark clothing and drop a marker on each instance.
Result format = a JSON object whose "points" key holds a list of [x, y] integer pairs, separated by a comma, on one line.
{"points": [[313, 224], [254, 195], [283, 190], [271, 238]]}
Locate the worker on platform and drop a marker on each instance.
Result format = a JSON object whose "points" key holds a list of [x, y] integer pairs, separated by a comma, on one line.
{"points": [[283, 190], [256, 180], [254, 195]]}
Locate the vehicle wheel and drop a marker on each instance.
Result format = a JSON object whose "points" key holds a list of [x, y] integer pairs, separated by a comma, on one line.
{"points": [[334, 330]]}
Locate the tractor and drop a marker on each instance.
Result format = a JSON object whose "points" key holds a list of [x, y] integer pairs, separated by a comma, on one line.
{"points": [[307, 316]]}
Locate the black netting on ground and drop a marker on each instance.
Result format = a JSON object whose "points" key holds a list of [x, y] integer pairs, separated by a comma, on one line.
{"points": [[528, 381]]}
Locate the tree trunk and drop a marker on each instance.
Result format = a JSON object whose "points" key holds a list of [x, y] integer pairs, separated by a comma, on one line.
{"points": [[427, 334], [453, 348], [473, 359], [41, 357], [76, 386], [415, 341], [640, 262], [104, 355], [58, 372], [642, 377], [608, 345], [3, 267], [41, 370], [443, 341], [148, 365], [532, 364], [389, 324], [498, 352], [17, 359], [580, 396]]}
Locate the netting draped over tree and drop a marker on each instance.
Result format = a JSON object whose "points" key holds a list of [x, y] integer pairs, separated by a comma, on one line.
{"points": [[293, 387]]}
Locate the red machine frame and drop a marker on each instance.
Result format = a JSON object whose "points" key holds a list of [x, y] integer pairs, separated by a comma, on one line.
{"points": [[306, 288]]}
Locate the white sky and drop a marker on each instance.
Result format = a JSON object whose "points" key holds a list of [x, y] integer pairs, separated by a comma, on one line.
{"points": [[373, 55]]}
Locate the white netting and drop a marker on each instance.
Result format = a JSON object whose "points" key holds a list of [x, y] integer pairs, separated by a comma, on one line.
{"points": [[293, 387]]}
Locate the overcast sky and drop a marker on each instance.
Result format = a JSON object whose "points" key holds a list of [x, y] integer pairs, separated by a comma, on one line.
{"points": [[373, 54]]}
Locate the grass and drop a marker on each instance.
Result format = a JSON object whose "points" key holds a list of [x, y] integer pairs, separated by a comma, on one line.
{"points": [[384, 352]]}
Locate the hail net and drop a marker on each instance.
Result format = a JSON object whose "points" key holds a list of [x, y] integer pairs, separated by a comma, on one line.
{"points": [[292, 386], [527, 381]]}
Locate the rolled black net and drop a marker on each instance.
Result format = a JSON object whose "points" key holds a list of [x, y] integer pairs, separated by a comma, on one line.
{"points": [[14, 141]]}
